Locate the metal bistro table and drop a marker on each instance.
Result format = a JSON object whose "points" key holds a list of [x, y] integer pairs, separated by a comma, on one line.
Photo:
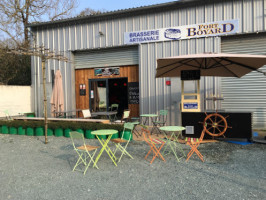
{"points": [[145, 117], [108, 114], [172, 141], [104, 143]]}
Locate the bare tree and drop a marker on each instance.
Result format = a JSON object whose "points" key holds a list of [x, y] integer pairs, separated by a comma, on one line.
{"points": [[89, 11], [44, 54], [16, 14]]}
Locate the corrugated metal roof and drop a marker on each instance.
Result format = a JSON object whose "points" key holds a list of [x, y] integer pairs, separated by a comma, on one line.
{"points": [[125, 12]]}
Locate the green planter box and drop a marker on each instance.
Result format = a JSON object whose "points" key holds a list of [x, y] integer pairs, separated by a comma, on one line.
{"points": [[114, 136], [88, 134], [39, 131], [50, 132], [5, 129], [30, 131], [66, 132], [0, 129], [80, 130], [58, 132], [127, 135], [13, 130], [21, 130]]}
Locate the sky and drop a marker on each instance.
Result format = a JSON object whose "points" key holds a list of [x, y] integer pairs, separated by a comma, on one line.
{"points": [[112, 5]]}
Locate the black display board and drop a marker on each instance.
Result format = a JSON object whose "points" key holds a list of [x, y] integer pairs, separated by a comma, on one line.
{"points": [[190, 75], [133, 93], [240, 123]]}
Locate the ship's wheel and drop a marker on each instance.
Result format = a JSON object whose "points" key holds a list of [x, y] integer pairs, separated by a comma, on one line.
{"points": [[215, 124]]}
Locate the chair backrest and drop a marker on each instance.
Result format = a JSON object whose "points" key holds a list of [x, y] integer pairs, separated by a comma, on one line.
{"points": [[86, 113], [163, 115], [126, 115], [74, 135], [146, 134], [128, 126], [114, 107]]}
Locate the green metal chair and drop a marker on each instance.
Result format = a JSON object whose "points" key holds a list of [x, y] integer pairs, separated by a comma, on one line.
{"points": [[83, 151], [114, 107], [119, 141], [160, 121]]}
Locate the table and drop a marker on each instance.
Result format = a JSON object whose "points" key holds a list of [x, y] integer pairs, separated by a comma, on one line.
{"points": [[68, 113], [109, 114], [147, 116], [172, 141], [104, 143]]}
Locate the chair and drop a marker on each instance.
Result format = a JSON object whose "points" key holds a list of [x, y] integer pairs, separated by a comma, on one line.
{"points": [[152, 143], [136, 122], [194, 143], [119, 141], [160, 121], [86, 113], [83, 151], [125, 117], [114, 107], [8, 117]]}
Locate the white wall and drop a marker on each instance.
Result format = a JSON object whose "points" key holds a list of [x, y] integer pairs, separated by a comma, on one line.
{"points": [[15, 99]]}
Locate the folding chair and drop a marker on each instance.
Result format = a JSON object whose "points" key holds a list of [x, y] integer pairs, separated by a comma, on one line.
{"points": [[160, 121], [83, 151], [194, 143], [125, 117], [152, 143], [119, 141]]}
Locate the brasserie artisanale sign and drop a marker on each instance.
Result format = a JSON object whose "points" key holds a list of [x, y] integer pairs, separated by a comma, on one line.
{"points": [[183, 32]]}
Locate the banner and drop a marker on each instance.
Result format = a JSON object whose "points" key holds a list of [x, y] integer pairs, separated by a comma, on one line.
{"points": [[211, 29]]}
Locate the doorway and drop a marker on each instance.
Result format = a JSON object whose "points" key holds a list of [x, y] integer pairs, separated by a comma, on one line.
{"points": [[105, 92]]}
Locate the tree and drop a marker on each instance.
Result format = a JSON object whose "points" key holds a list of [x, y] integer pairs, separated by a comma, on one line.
{"points": [[89, 11], [16, 14]]}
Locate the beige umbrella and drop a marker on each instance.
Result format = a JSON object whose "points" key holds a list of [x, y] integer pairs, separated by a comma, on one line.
{"points": [[210, 64], [57, 99]]}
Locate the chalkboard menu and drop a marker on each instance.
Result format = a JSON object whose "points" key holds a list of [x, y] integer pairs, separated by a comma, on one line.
{"points": [[133, 93], [190, 75]]}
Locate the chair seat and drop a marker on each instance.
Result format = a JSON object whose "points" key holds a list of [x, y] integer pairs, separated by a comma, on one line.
{"points": [[157, 141], [89, 147], [118, 140], [192, 140]]}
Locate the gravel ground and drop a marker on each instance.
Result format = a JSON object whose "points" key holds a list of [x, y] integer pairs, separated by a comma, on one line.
{"points": [[30, 169]]}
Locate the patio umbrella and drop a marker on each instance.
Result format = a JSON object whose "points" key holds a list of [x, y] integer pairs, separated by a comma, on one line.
{"points": [[210, 64], [57, 99]]}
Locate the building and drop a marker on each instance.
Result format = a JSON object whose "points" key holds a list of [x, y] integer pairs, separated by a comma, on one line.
{"points": [[116, 52]]}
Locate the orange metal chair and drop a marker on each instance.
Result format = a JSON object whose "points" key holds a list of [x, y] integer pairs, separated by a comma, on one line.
{"points": [[194, 143], [152, 143]]}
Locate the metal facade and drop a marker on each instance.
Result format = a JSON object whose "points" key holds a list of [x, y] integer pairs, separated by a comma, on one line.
{"points": [[154, 94], [249, 92]]}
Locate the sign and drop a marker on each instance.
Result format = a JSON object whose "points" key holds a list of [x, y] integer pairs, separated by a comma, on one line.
{"points": [[183, 32], [190, 105], [133, 93], [106, 71]]}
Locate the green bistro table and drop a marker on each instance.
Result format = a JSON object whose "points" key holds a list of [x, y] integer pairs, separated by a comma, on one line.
{"points": [[104, 143], [145, 117], [172, 141]]}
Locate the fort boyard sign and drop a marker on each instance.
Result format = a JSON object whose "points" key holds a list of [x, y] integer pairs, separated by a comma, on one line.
{"points": [[211, 29]]}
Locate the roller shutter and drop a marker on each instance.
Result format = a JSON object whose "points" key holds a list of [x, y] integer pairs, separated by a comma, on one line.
{"points": [[106, 57], [249, 92]]}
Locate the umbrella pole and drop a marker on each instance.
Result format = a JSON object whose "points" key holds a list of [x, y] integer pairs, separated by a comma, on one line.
{"points": [[44, 100]]}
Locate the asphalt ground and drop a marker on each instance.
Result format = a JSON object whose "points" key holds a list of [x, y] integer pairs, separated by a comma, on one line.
{"points": [[32, 170]]}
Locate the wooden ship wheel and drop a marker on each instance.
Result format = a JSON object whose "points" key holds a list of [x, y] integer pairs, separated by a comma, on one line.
{"points": [[215, 124]]}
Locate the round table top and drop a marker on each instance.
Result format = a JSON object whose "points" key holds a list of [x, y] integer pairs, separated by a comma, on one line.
{"points": [[172, 128], [104, 132], [149, 115]]}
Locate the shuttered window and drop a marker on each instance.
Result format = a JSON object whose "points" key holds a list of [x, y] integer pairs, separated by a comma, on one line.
{"points": [[106, 57]]}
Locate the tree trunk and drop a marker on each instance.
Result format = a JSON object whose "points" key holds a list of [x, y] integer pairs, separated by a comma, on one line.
{"points": [[44, 100]]}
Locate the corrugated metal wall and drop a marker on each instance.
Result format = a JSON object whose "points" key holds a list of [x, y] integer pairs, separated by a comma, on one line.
{"points": [[249, 92], [154, 94]]}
